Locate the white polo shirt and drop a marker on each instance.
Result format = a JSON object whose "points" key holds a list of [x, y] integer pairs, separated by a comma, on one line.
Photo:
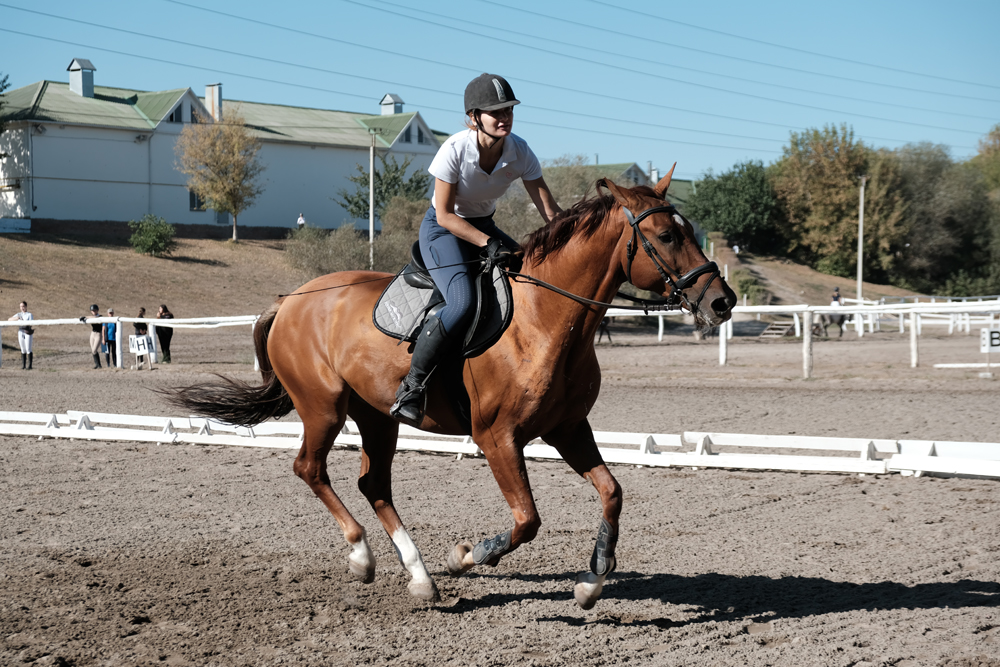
{"points": [[457, 161]]}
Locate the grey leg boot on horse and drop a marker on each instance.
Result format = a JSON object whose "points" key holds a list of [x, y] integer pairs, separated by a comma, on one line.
{"points": [[430, 348]]}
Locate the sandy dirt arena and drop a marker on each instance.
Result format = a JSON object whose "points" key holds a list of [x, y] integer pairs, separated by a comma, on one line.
{"points": [[134, 554]]}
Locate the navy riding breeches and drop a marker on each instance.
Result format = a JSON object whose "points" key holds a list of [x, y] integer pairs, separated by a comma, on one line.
{"points": [[445, 255]]}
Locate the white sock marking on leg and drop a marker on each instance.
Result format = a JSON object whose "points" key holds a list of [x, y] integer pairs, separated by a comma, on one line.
{"points": [[409, 556]]}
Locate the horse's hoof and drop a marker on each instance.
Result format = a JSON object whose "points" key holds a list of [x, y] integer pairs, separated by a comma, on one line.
{"points": [[424, 590], [364, 572], [588, 589], [460, 559]]}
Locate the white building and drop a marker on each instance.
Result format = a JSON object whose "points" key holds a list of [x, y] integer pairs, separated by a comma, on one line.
{"points": [[83, 156]]}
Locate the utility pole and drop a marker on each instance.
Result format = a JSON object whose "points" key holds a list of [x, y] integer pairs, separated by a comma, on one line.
{"points": [[371, 202], [861, 234]]}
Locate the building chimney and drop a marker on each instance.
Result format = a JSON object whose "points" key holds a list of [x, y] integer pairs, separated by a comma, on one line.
{"points": [[391, 104], [81, 77], [213, 100]]}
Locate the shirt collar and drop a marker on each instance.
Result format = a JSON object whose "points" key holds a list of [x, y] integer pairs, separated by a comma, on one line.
{"points": [[509, 151]]}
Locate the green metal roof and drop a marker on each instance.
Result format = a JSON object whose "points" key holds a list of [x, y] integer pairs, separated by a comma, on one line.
{"points": [[679, 192], [53, 101], [109, 107]]}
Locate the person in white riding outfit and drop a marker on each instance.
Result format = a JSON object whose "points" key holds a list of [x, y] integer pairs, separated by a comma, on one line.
{"points": [[471, 170], [24, 336]]}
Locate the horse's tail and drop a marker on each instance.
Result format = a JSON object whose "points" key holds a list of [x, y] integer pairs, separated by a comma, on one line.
{"points": [[236, 402]]}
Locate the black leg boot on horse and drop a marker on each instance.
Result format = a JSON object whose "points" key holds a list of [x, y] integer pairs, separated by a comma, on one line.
{"points": [[431, 346]]}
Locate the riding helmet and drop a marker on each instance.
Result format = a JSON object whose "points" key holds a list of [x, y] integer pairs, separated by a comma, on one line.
{"points": [[489, 92]]}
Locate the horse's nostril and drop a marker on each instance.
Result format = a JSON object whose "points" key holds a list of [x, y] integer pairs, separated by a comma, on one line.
{"points": [[721, 306]]}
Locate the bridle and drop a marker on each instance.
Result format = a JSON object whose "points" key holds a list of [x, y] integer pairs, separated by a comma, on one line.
{"points": [[677, 282]]}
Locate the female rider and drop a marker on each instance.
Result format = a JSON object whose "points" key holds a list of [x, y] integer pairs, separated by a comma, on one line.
{"points": [[472, 169]]}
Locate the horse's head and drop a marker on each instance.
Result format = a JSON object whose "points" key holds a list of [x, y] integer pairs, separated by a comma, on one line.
{"points": [[659, 253]]}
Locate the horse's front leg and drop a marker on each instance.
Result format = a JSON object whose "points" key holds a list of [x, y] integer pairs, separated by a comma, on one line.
{"points": [[575, 443], [507, 463]]}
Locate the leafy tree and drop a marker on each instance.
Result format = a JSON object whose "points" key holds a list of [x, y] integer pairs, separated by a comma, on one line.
{"points": [[987, 160], [390, 182], [741, 204], [221, 163], [817, 182], [152, 235]]}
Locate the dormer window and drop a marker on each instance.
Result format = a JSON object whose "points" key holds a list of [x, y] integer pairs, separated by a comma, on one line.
{"points": [[407, 136], [420, 136], [176, 115]]}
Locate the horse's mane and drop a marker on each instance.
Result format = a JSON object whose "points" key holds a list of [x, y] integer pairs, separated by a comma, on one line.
{"points": [[584, 217]]}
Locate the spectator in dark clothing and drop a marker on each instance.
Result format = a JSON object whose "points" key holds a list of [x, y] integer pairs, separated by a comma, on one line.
{"points": [[141, 329], [164, 334], [95, 335]]}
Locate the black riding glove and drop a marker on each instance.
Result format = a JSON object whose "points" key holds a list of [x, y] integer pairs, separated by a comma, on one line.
{"points": [[502, 255]]}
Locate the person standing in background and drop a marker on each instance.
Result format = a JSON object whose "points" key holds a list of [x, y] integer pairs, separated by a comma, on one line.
{"points": [[301, 222], [141, 329], [24, 335], [95, 335], [164, 334], [109, 334]]}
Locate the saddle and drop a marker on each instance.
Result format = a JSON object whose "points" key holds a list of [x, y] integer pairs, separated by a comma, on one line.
{"points": [[412, 297]]}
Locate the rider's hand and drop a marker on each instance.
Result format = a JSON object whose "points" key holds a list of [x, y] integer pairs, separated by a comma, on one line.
{"points": [[502, 255], [83, 319]]}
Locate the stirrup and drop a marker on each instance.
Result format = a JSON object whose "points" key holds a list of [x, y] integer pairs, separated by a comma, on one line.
{"points": [[412, 399]]}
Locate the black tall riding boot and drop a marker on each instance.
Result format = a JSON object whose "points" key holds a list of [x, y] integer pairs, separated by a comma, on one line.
{"points": [[431, 346], [31, 358], [24, 361], [97, 360]]}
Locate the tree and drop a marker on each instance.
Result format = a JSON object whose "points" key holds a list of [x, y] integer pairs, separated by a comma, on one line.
{"points": [[817, 181], [390, 182], [987, 160], [221, 163], [741, 204], [4, 85]]}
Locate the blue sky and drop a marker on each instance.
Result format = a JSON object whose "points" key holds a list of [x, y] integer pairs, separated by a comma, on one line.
{"points": [[705, 84]]}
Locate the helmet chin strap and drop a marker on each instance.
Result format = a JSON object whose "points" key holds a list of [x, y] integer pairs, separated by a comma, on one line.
{"points": [[479, 126]]}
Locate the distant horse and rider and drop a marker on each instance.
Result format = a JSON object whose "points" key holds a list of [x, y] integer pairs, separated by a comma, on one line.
{"points": [[323, 353], [828, 319]]}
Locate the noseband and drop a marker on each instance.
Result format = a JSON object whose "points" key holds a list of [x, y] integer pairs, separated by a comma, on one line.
{"points": [[677, 282]]}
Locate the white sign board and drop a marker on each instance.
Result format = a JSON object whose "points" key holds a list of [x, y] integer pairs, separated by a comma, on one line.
{"points": [[140, 344], [989, 340]]}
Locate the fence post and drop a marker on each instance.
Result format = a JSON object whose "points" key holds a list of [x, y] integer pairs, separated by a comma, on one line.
{"points": [[659, 333], [153, 348], [723, 344], [1, 347], [807, 345], [902, 322], [859, 324], [798, 325], [118, 342], [256, 361], [914, 352]]}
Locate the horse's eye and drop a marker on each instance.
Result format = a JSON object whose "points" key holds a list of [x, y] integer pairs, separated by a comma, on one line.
{"points": [[666, 238]]}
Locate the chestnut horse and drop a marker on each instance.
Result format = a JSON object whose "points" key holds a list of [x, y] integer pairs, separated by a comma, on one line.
{"points": [[320, 352]]}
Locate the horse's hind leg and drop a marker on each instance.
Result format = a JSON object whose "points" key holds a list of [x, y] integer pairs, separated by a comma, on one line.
{"points": [[319, 433], [575, 443], [378, 437]]}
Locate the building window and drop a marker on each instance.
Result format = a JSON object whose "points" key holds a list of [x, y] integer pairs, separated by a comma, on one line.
{"points": [[175, 115], [406, 135], [194, 201], [420, 136]]}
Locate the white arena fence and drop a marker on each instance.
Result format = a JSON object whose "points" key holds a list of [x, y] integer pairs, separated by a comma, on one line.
{"points": [[688, 450], [186, 323]]}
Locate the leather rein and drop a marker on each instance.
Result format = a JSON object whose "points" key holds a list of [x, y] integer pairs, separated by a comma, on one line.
{"points": [[677, 282]]}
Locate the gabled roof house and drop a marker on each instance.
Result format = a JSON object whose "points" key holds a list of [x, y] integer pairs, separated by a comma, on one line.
{"points": [[84, 156]]}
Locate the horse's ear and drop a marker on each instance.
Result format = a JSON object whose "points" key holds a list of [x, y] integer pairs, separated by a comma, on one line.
{"points": [[616, 191], [661, 187]]}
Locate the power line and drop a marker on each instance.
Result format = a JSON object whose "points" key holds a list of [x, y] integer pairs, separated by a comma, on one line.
{"points": [[529, 81], [792, 48], [372, 79], [591, 47], [666, 78], [337, 92]]}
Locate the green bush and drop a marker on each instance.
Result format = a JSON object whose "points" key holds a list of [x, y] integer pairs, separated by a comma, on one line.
{"points": [[316, 251], [152, 235], [745, 282]]}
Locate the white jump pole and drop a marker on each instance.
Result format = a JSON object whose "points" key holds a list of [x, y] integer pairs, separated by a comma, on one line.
{"points": [[798, 325], [807, 345], [914, 352], [256, 362], [659, 332], [859, 324]]}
